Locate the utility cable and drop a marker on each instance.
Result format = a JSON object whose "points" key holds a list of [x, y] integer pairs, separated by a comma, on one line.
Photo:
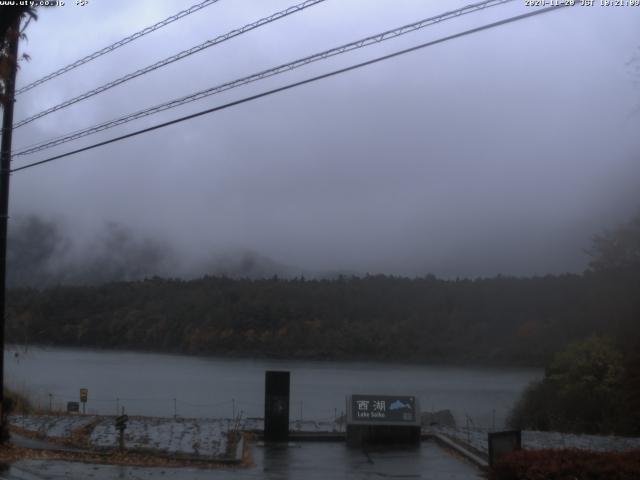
{"points": [[364, 42], [295, 84], [118, 44], [174, 58]]}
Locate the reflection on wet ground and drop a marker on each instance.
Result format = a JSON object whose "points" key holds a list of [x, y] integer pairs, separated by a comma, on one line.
{"points": [[293, 461]]}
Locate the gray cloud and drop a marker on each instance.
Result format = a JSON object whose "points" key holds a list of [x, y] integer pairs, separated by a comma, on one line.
{"points": [[501, 152]]}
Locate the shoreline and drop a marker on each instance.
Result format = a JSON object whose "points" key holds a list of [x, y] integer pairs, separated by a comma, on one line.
{"points": [[468, 364]]}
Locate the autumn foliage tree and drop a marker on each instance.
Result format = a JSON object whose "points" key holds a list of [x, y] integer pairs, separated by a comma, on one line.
{"points": [[11, 15]]}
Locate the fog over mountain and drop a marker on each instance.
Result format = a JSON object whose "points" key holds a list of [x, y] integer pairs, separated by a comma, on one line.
{"points": [[497, 153], [41, 254]]}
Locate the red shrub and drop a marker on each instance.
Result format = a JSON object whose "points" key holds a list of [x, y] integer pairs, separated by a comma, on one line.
{"points": [[568, 465]]}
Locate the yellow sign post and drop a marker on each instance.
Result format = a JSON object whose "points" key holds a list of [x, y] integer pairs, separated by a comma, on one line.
{"points": [[84, 393]]}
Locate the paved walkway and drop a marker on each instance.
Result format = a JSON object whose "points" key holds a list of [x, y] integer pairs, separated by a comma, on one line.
{"points": [[307, 460]]}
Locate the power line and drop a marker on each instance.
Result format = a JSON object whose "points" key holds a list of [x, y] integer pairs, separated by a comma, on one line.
{"points": [[118, 44], [364, 42], [174, 58], [296, 84]]}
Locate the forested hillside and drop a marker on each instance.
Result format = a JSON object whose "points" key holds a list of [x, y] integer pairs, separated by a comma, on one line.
{"points": [[499, 320]]}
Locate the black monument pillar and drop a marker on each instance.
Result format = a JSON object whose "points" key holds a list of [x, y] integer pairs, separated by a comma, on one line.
{"points": [[276, 406]]}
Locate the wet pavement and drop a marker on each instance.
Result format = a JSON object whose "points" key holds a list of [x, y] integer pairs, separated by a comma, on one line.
{"points": [[305, 460]]}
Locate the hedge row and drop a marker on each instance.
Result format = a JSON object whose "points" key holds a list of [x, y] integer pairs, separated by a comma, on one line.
{"points": [[568, 464]]}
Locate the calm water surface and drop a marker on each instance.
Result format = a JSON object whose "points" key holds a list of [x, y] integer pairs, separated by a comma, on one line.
{"points": [[189, 386]]}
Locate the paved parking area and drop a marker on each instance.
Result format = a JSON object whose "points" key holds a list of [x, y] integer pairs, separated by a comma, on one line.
{"points": [[306, 460]]}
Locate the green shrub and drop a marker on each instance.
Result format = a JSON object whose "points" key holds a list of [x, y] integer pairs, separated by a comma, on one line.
{"points": [[582, 392]]}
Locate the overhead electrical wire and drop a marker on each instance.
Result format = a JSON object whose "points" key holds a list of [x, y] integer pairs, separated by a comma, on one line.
{"points": [[173, 58], [364, 42], [296, 84], [118, 44]]}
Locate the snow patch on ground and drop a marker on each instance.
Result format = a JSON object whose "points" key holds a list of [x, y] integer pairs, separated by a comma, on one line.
{"points": [[50, 425], [533, 440], [205, 437], [189, 436]]}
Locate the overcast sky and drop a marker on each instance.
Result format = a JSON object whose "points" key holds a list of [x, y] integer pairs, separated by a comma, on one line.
{"points": [[500, 152]]}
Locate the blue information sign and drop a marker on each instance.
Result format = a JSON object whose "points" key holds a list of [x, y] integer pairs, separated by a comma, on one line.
{"points": [[383, 408]]}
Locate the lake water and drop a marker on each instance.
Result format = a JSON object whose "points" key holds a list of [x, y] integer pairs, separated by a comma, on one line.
{"points": [[189, 386]]}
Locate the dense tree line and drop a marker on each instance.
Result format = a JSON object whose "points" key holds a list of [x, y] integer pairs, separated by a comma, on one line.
{"points": [[499, 320], [502, 320]]}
